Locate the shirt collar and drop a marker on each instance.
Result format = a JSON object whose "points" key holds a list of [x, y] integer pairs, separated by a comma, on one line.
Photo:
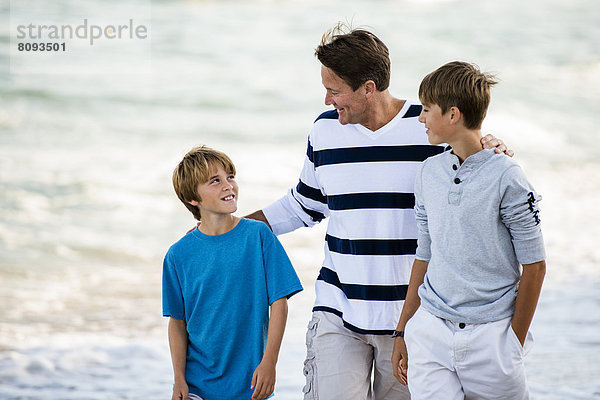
{"points": [[473, 160]]}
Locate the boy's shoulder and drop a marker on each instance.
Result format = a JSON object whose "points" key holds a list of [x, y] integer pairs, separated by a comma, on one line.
{"points": [[247, 227], [502, 163], [498, 168], [254, 224], [498, 160], [259, 230], [183, 243], [252, 227], [437, 159], [501, 158]]}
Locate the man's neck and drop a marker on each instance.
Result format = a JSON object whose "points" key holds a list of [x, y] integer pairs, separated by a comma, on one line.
{"points": [[384, 107], [217, 224]]}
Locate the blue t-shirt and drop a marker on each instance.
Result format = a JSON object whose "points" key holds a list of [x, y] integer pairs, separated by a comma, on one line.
{"points": [[222, 287]]}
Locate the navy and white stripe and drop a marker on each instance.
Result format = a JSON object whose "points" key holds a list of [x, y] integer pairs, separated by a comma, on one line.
{"points": [[364, 182], [371, 154]]}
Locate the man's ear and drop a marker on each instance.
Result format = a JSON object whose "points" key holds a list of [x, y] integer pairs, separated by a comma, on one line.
{"points": [[454, 115], [194, 203], [370, 88]]}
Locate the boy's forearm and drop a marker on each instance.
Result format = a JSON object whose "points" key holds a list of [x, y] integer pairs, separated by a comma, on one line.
{"points": [[178, 339], [277, 322], [530, 287], [412, 301]]}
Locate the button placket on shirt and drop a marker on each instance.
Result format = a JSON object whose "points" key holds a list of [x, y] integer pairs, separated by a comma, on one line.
{"points": [[456, 187]]}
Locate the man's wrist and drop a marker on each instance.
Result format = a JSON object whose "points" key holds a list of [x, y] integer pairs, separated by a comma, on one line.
{"points": [[398, 334]]}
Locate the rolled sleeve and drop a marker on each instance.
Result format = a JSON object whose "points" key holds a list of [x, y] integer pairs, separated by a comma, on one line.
{"points": [[519, 210], [282, 217], [303, 205]]}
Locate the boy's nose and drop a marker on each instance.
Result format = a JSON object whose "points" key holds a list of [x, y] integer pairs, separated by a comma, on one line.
{"points": [[328, 100]]}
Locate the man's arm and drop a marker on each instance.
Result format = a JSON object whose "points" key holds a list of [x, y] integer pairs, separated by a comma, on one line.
{"points": [[411, 304], [263, 379], [259, 216], [490, 142], [178, 341], [527, 298], [303, 205]]}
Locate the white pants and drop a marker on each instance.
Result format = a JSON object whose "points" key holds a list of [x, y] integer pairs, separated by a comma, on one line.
{"points": [[339, 363], [455, 361]]}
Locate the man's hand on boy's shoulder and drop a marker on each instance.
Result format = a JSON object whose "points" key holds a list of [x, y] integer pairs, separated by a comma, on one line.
{"points": [[490, 142], [259, 216], [263, 380]]}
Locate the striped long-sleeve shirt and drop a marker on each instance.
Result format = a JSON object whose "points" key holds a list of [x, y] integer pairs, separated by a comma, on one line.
{"points": [[363, 181]]}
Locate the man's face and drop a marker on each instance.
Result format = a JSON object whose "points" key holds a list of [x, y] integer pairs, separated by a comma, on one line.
{"points": [[351, 105]]}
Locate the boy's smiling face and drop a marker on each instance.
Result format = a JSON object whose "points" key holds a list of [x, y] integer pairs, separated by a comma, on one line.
{"points": [[435, 122], [219, 194]]}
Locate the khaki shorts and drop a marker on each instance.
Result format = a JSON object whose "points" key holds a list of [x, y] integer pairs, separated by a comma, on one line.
{"points": [[344, 365]]}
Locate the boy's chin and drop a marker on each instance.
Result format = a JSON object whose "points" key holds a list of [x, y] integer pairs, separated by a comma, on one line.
{"points": [[434, 141]]}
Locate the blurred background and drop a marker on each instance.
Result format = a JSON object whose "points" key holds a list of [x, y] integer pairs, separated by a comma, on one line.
{"points": [[89, 138]]}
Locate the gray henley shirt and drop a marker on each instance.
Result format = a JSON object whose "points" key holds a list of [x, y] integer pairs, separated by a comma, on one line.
{"points": [[477, 222]]}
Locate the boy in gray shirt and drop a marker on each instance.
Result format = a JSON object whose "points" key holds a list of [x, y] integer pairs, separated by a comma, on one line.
{"points": [[463, 331]]}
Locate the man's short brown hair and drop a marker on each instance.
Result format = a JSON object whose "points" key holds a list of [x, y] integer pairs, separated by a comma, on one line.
{"points": [[356, 56], [462, 85], [195, 169]]}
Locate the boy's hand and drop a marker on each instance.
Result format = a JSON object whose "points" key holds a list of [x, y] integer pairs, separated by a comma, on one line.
{"points": [[520, 335], [263, 380], [180, 391], [400, 360], [490, 142]]}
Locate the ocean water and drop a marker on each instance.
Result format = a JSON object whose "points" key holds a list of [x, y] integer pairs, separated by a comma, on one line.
{"points": [[88, 140]]}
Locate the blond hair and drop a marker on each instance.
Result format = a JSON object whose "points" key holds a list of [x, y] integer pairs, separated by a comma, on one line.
{"points": [[195, 169], [462, 85]]}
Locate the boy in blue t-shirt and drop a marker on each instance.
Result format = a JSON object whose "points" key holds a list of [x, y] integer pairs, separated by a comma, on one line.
{"points": [[464, 327], [218, 283]]}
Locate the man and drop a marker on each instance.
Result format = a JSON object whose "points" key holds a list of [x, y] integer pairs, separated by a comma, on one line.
{"points": [[359, 171]]}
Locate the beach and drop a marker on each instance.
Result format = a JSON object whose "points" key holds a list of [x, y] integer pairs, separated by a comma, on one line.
{"points": [[88, 142]]}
